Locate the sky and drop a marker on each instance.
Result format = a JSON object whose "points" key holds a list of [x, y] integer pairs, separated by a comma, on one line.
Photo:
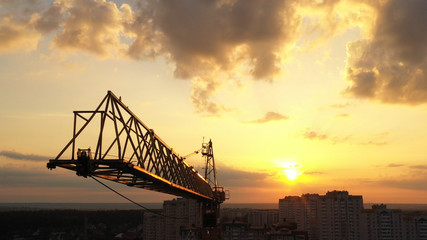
{"points": [[297, 96]]}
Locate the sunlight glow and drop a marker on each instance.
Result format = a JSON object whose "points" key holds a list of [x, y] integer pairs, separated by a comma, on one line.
{"points": [[290, 170]]}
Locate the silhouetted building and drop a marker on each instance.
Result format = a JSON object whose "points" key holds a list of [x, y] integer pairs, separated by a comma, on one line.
{"points": [[153, 227], [381, 223], [421, 227], [234, 230], [263, 217], [181, 219], [286, 230], [414, 226], [334, 216]]}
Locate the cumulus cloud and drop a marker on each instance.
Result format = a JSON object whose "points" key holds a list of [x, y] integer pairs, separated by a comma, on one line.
{"points": [[212, 42], [201, 38], [270, 116], [93, 26], [15, 34], [215, 31], [22, 156], [391, 67], [206, 37]]}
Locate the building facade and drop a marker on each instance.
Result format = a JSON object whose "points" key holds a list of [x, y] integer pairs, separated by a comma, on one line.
{"points": [[179, 219], [333, 216]]}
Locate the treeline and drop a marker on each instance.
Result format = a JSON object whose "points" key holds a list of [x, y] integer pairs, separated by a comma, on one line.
{"points": [[39, 224]]}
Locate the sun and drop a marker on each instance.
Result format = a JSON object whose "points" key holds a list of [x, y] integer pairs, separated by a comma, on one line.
{"points": [[290, 170], [291, 174]]}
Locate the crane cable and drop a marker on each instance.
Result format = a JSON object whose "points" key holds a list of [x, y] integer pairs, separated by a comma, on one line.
{"points": [[130, 200]]}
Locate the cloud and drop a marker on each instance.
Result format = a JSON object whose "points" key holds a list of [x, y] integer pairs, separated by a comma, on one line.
{"points": [[17, 35], [374, 140], [406, 183], [21, 156], [207, 41], [215, 30], [92, 26], [231, 177], [339, 105], [392, 165], [270, 116], [419, 167], [51, 19], [343, 115], [10, 176], [214, 43], [210, 40], [312, 135], [391, 66], [202, 93]]}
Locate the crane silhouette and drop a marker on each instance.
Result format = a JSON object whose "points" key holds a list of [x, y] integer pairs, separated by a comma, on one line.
{"points": [[130, 153]]}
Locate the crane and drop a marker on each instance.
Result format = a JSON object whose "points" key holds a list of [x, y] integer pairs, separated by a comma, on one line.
{"points": [[130, 153]]}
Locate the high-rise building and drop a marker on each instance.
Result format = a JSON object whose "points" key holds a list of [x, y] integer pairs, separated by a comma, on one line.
{"points": [[153, 226], [421, 227], [263, 217], [414, 226], [303, 210], [178, 216], [381, 223], [334, 216]]}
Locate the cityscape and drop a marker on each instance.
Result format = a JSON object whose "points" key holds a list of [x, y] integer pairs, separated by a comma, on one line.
{"points": [[336, 215]]}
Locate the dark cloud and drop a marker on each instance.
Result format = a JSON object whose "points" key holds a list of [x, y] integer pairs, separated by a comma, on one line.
{"points": [[232, 177], [312, 135], [207, 38], [210, 31], [21, 156], [270, 116], [24, 177], [391, 67], [51, 19]]}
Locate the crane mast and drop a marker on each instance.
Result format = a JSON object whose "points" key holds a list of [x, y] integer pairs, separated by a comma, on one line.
{"points": [[130, 153]]}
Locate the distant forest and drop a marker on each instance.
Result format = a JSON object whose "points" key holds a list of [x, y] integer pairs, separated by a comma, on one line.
{"points": [[41, 224]]}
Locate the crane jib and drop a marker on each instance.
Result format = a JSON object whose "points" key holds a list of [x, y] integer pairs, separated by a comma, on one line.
{"points": [[128, 152]]}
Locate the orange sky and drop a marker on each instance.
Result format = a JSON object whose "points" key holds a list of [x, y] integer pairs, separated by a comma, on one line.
{"points": [[334, 90]]}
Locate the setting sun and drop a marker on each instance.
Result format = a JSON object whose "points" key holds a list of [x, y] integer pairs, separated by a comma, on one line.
{"points": [[290, 170], [291, 174]]}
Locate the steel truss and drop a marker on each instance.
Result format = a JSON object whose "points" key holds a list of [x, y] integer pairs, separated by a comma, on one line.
{"points": [[141, 159]]}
